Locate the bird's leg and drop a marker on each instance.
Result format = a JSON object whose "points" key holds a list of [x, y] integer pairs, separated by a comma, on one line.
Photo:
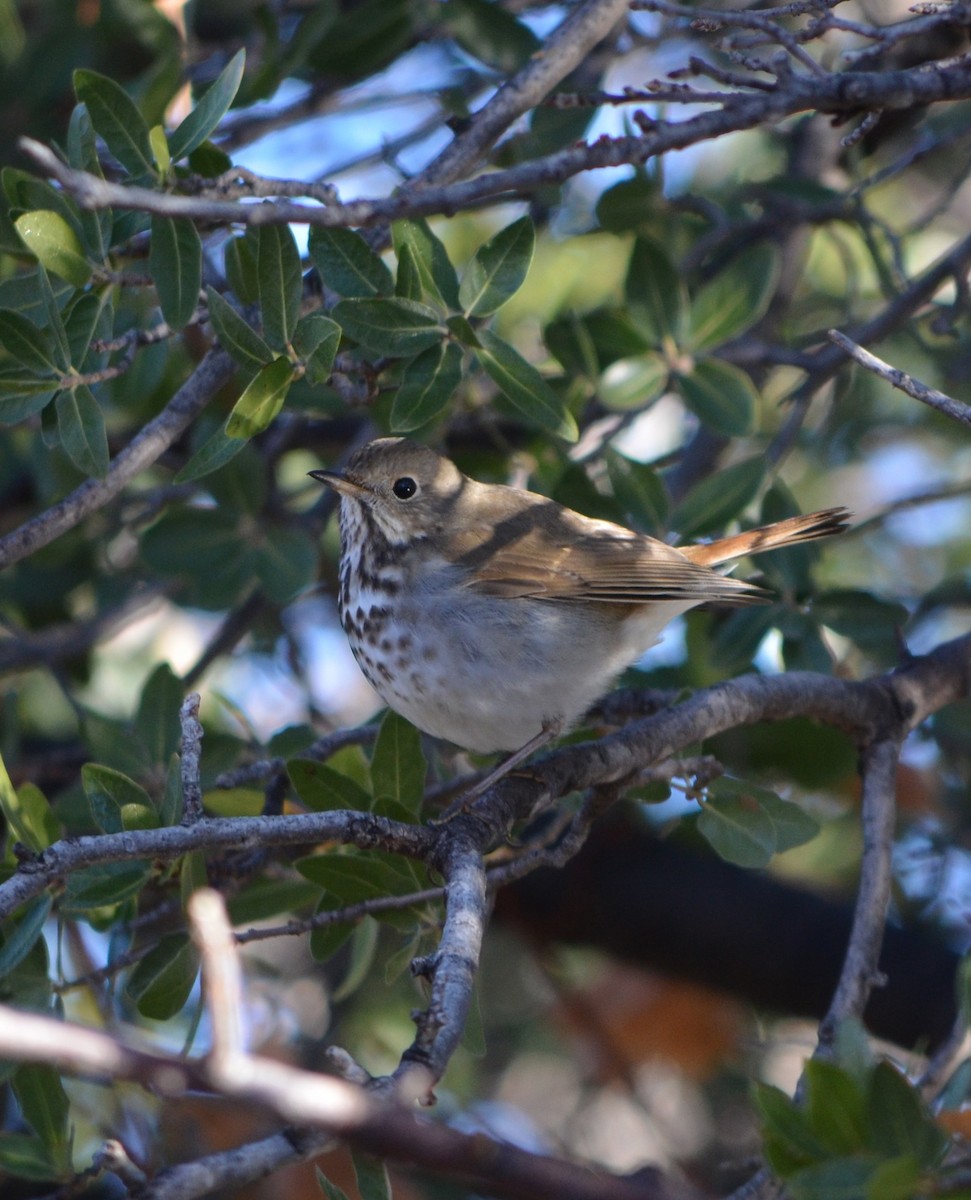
{"points": [[550, 731]]}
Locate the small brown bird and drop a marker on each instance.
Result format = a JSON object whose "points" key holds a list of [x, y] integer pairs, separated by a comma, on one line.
{"points": [[495, 617]]}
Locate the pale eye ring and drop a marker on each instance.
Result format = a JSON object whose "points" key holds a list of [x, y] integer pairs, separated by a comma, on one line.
{"points": [[404, 488]]}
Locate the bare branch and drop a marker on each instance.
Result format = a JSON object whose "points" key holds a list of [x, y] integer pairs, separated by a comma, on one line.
{"points": [[192, 810], [901, 380]]}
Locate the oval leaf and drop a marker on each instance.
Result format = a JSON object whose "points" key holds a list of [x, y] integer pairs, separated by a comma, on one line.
{"points": [[261, 401], [716, 500], [316, 339], [348, 264], [210, 110], [738, 830], [734, 300], [430, 258], [632, 383], [114, 115], [236, 336], [655, 290], [392, 326], [55, 244], [280, 283], [175, 261], [524, 387], [498, 269], [24, 342], [81, 429], [426, 387], [721, 396]]}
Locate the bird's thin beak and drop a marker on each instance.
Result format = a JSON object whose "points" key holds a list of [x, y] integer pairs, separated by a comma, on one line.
{"points": [[340, 483]]}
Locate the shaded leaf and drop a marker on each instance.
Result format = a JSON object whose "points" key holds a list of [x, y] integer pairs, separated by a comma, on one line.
{"points": [[525, 387], [398, 766], [632, 383], [236, 336], [498, 269], [427, 386], [721, 396], [26, 343], [734, 300], [435, 270], [218, 449], [280, 283], [322, 788], [897, 1121], [162, 981], [117, 120], [175, 261], [390, 326], [655, 291], [81, 428], [347, 264], [719, 498], [109, 792], [209, 110], [316, 339], [27, 813], [45, 1107], [157, 719], [737, 828], [19, 940]]}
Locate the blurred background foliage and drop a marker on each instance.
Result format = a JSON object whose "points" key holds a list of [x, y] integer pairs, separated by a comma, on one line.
{"points": [[643, 344]]}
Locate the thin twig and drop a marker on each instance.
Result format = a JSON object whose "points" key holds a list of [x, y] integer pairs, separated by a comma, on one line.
{"points": [[901, 380]]}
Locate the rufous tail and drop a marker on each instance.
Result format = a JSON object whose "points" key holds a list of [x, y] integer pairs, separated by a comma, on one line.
{"points": [[789, 532]]}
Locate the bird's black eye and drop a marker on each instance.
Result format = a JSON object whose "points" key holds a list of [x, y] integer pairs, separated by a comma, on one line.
{"points": [[404, 488]]}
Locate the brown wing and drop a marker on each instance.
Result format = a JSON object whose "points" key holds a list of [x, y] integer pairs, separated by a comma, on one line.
{"points": [[551, 553]]}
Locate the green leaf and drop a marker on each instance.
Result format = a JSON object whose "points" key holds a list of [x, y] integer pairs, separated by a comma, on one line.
{"points": [[104, 885], [738, 829], [734, 300], [55, 244], [81, 428], [316, 339], [721, 396], [719, 498], [170, 810], [347, 264], [236, 336], [793, 825], [157, 719], [372, 1176], [835, 1106], [390, 326], [323, 789], [364, 946], [261, 400], [498, 269], [45, 1108], [438, 279], [24, 1157], [427, 386], [53, 318], [175, 261], [790, 1143], [109, 793], [285, 563], [871, 623], [115, 117], [326, 940], [633, 383], [210, 109], [407, 282], [87, 317], [241, 272], [27, 813], [162, 981], [524, 387], [29, 345], [280, 281], [843, 1178], [160, 150], [398, 766], [655, 291], [19, 940], [489, 33], [897, 1121], [214, 453], [353, 878], [330, 1190], [640, 491], [630, 204]]}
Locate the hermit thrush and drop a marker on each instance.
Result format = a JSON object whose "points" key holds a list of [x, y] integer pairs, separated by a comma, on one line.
{"points": [[495, 617]]}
